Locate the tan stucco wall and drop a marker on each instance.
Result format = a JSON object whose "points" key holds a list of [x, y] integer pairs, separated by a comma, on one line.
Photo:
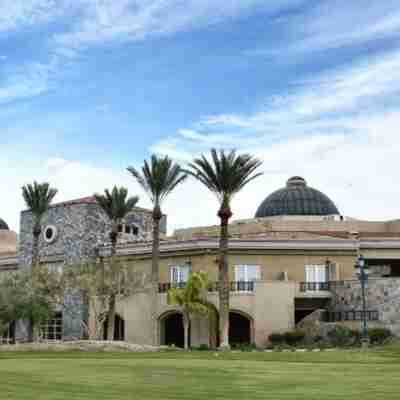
{"points": [[272, 264], [270, 308]]}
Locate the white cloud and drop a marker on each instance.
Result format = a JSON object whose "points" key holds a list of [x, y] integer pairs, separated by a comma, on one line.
{"points": [[15, 14], [338, 131], [123, 20]]}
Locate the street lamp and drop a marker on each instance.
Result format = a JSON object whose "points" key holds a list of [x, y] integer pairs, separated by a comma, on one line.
{"points": [[362, 273]]}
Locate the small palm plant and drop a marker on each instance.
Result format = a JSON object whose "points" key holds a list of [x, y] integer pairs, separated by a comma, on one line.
{"points": [[116, 205], [38, 197], [225, 175], [192, 300]]}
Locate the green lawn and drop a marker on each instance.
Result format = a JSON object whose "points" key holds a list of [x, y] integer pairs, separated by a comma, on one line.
{"points": [[337, 375]]}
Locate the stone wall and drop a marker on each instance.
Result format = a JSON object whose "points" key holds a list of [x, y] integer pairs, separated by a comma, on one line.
{"points": [[81, 229], [382, 295]]}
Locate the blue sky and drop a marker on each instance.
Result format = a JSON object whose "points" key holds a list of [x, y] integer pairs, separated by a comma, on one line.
{"points": [[88, 87]]}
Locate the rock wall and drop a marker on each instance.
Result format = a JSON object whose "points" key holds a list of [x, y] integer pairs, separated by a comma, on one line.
{"points": [[382, 295]]}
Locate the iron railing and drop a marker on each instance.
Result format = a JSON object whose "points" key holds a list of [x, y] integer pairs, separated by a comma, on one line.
{"points": [[352, 315], [234, 286], [315, 286]]}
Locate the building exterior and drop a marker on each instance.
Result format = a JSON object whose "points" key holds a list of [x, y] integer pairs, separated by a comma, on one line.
{"points": [[296, 256]]}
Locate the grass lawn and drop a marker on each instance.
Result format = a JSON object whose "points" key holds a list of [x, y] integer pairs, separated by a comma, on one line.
{"points": [[337, 375]]}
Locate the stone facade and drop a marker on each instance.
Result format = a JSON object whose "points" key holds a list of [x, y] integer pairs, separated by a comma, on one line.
{"points": [[80, 229], [382, 295]]}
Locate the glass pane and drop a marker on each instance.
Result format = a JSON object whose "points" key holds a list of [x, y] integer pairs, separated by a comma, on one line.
{"points": [[240, 273], [253, 273]]}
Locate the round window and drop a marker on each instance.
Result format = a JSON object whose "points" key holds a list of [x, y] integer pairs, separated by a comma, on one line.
{"points": [[50, 233]]}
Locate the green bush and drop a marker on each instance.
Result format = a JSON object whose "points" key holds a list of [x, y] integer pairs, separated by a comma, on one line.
{"points": [[341, 336], [202, 347], [379, 335], [244, 346], [293, 338], [276, 339]]}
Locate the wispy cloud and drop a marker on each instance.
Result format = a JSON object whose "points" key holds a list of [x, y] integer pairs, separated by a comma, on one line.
{"points": [[339, 130], [124, 20], [333, 24]]}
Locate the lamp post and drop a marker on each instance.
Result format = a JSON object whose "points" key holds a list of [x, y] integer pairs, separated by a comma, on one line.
{"points": [[362, 273]]}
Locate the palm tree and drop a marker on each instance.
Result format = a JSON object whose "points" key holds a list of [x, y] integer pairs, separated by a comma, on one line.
{"points": [[116, 205], [225, 175], [38, 198], [192, 300], [158, 178]]}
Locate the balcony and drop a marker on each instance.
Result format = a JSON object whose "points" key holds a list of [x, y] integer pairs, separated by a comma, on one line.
{"points": [[314, 289], [235, 286]]}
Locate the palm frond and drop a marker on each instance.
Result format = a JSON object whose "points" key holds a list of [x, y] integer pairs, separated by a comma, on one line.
{"points": [[38, 197], [158, 178], [225, 174], [116, 203]]}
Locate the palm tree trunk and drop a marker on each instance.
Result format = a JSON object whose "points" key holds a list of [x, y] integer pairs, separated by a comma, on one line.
{"points": [[186, 322], [111, 317], [112, 300], [157, 215], [223, 272], [34, 267]]}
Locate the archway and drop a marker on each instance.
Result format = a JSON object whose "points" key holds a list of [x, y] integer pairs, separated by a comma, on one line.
{"points": [[240, 328], [119, 330], [171, 329]]}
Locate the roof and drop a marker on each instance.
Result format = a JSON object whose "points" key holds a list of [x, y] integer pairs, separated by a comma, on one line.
{"points": [[3, 225], [82, 200], [297, 198]]}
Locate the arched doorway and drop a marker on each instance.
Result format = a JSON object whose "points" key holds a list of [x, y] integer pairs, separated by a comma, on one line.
{"points": [[240, 329], [171, 329], [119, 330]]}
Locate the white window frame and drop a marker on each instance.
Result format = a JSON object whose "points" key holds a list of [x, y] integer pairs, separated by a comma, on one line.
{"points": [[316, 273], [247, 276], [53, 327], [179, 273]]}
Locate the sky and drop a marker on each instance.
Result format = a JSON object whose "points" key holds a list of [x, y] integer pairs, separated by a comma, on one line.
{"points": [[310, 87]]}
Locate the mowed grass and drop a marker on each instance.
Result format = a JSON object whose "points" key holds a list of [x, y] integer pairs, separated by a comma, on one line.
{"points": [[351, 374]]}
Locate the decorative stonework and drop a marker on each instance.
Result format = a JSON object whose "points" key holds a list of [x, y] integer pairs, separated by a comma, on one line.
{"points": [[80, 229], [382, 295]]}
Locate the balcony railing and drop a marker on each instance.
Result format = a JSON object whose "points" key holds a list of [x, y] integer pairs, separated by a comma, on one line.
{"points": [[315, 286], [352, 315], [234, 286]]}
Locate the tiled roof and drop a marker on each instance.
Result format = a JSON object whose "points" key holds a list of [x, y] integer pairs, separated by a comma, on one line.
{"points": [[83, 200]]}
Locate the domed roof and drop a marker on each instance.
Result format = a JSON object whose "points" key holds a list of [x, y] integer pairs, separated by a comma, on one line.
{"points": [[296, 199], [3, 225]]}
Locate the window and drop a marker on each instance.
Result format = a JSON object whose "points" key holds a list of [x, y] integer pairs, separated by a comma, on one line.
{"points": [[316, 275], [247, 273], [179, 274], [135, 230], [53, 328], [50, 234], [245, 276]]}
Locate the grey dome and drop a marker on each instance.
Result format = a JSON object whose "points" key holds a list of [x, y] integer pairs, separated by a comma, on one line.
{"points": [[3, 225], [296, 199]]}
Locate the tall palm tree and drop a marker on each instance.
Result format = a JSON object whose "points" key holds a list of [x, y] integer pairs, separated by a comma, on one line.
{"points": [[116, 205], [38, 197], [158, 178], [225, 175]]}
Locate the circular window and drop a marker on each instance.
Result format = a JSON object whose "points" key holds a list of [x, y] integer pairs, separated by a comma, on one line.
{"points": [[50, 233]]}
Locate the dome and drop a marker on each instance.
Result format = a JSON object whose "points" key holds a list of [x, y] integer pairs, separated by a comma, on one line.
{"points": [[3, 225], [296, 199]]}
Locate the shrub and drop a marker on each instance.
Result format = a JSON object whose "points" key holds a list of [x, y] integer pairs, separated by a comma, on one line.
{"points": [[276, 339], [244, 346], [379, 335], [203, 347], [341, 336], [293, 338]]}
